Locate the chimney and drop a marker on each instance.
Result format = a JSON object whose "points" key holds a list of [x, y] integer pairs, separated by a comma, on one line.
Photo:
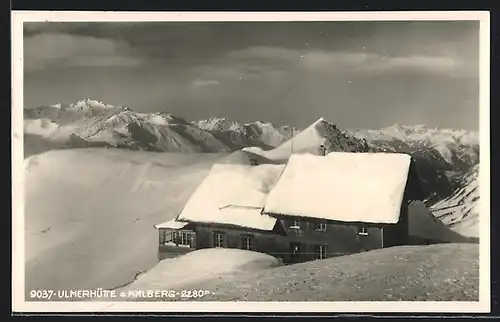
{"points": [[322, 150], [253, 162]]}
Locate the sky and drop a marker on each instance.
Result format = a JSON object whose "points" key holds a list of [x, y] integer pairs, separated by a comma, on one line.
{"points": [[356, 74]]}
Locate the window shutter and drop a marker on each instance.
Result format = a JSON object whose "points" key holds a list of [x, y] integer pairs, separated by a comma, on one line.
{"points": [[161, 236], [193, 240]]}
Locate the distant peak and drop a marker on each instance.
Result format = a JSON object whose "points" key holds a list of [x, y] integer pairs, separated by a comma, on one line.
{"points": [[322, 122], [216, 120], [261, 124], [396, 126]]}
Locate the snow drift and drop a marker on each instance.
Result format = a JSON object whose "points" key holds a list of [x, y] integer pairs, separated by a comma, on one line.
{"points": [[190, 269]]}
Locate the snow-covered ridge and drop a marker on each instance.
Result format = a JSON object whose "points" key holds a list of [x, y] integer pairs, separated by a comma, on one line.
{"points": [[219, 124], [442, 155], [265, 132], [461, 210], [93, 123], [321, 132], [89, 103], [448, 142]]}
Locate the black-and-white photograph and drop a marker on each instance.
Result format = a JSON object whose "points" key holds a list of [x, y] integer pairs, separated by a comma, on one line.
{"points": [[257, 161]]}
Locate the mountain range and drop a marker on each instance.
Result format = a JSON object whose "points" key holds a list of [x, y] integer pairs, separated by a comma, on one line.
{"points": [[444, 157]]}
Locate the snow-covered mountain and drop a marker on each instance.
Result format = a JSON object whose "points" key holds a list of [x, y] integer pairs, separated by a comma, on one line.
{"points": [[461, 210], [88, 123], [457, 147], [92, 123], [443, 156], [311, 138], [262, 134]]}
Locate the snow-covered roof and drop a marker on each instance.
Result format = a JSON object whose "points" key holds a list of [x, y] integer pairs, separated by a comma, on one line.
{"points": [[342, 186], [234, 194], [172, 224]]}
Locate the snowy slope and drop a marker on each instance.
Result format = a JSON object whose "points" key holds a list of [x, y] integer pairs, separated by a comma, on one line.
{"points": [[40, 127], [89, 213], [461, 211], [446, 272]]}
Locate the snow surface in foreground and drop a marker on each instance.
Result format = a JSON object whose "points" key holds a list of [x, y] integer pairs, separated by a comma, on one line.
{"points": [[446, 272], [89, 214], [192, 268]]}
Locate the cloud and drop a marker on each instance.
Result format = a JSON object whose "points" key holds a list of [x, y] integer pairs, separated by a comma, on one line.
{"points": [[205, 82], [428, 63], [49, 50], [264, 59]]}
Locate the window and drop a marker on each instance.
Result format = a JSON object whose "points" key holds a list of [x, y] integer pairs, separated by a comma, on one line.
{"points": [[247, 242], [219, 240], [179, 238], [321, 226], [184, 238], [169, 237], [321, 252], [295, 224], [362, 231]]}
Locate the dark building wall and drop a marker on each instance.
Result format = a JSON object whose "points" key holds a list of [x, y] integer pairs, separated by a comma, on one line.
{"points": [[165, 251], [339, 238], [398, 234], [203, 236], [262, 242], [413, 189]]}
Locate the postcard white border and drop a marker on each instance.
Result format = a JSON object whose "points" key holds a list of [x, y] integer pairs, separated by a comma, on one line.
{"points": [[18, 301]]}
